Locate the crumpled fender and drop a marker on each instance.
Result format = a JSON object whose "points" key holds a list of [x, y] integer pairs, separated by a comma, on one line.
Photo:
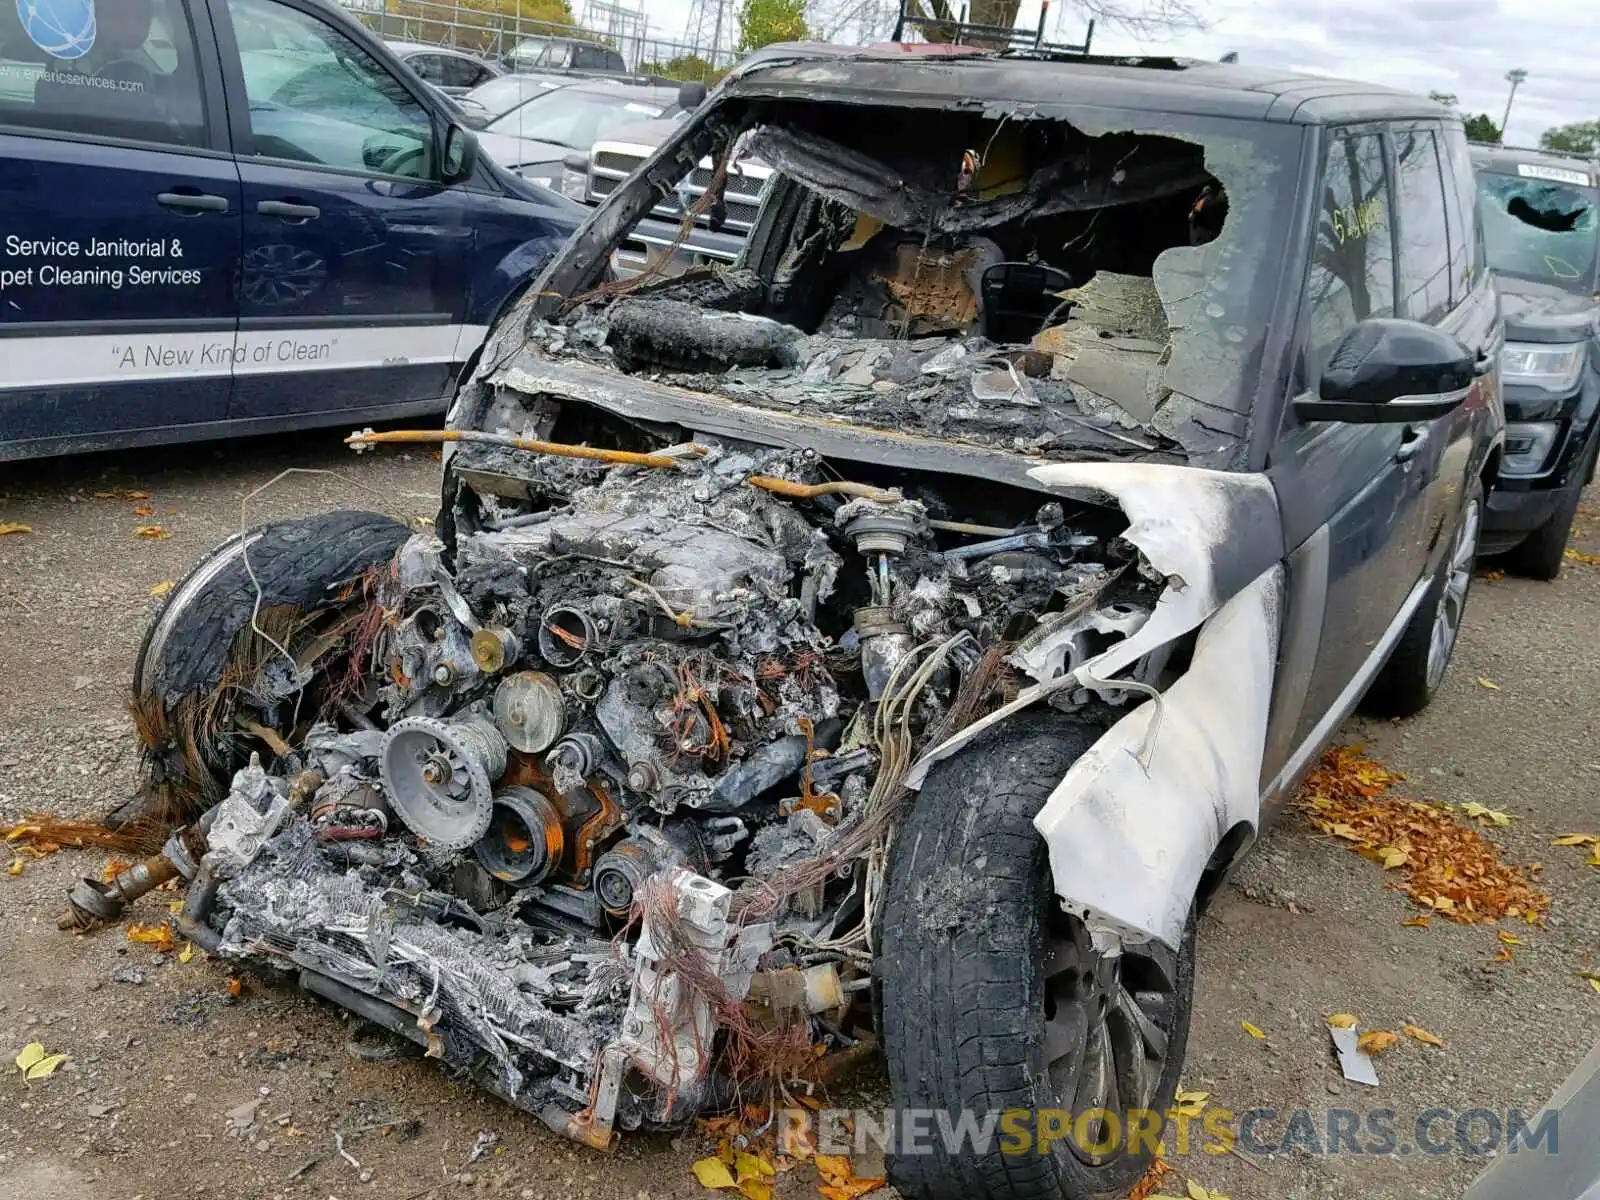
{"points": [[1133, 824], [1135, 821]]}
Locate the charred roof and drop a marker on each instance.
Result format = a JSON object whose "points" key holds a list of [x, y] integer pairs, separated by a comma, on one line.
{"points": [[918, 76]]}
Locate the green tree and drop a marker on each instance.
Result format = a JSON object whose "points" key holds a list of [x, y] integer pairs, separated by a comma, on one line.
{"points": [[762, 22], [1581, 137], [1481, 128], [686, 68]]}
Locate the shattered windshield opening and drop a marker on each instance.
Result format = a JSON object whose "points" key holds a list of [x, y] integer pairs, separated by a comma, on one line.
{"points": [[1541, 230], [1062, 288]]}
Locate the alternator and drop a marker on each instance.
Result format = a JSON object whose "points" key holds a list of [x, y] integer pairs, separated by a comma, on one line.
{"points": [[439, 775]]}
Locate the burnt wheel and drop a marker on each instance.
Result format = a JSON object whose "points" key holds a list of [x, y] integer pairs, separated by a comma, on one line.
{"points": [[204, 678], [994, 1000]]}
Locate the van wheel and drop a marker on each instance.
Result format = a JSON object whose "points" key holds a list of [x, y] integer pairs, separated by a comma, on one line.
{"points": [[995, 1001], [204, 678], [1416, 667]]}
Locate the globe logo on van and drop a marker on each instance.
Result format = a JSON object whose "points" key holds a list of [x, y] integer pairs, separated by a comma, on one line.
{"points": [[61, 28]]}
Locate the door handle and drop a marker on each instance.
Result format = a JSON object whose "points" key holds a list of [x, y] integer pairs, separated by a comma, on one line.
{"points": [[192, 202], [288, 211], [1484, 363], [1412, 439]]}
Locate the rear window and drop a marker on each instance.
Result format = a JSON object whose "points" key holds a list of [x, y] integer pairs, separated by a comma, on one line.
{"points": [[125, 71], [1540, 228]]}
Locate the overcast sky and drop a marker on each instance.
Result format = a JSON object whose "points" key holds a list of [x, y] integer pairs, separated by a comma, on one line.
{"points": [[1459, 46]]}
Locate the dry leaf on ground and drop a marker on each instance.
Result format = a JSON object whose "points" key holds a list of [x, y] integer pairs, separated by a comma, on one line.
{"points": [[150, 533], [162, 588], [1577, 839], [35, 1063], [1588, 560], [1485, 682], [1251, 1029], [14, 527], [1417, 1033], [159, 936], [1450, 868], [713, 1173], [1145, 1188], [1343, 1020], [1376, 1041]]}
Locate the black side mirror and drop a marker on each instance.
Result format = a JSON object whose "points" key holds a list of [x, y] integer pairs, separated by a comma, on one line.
{"points": [[691, 96], [460, 154], [1388, 370]]}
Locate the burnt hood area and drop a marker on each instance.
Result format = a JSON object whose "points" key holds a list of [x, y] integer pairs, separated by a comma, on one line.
{"points": [[1016, 283]]}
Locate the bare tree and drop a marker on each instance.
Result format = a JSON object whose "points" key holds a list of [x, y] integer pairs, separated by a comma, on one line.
{"points": [[1141, 18]]}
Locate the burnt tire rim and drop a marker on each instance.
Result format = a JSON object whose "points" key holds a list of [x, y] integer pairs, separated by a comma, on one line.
{"points": [[1453, 597], [1108, 1022]]}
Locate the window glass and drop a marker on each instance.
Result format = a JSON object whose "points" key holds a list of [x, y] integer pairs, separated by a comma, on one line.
{"points": [[429, 66], [317, 97], [127, 70], [1541, 229], [1424, 229], [1469, 266], [576, 119], [461, 72], [1352, 259]]}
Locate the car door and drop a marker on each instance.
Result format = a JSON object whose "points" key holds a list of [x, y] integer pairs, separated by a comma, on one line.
{"points": [[119, 230], [1354, 497], [356, 256]]}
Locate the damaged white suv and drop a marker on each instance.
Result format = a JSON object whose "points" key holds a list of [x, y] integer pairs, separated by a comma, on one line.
{"points": [[904, 629]]}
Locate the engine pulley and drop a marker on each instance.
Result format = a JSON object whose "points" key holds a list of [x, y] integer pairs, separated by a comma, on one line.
{"points": [[439, 775]]}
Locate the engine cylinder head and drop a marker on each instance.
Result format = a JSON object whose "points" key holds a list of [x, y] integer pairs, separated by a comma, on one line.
{"points": [[529, 712], [566, 634], [525, 839], [438, 775]]}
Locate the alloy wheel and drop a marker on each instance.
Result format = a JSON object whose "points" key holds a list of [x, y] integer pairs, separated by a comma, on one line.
{"points": [[1453, 599]]}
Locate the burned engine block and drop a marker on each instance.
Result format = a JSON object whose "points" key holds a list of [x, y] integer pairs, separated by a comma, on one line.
{"points": [[675, 704]]}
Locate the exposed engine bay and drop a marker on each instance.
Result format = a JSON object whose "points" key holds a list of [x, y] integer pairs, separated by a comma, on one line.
{"points": [[676, 703]]}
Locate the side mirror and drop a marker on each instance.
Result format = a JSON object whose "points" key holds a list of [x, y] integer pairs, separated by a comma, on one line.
{"points": [[1388, 370], [691, 96], [460, 154]]}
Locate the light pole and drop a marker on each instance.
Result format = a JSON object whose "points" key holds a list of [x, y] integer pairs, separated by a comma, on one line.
{"points": [[1514, 77]]}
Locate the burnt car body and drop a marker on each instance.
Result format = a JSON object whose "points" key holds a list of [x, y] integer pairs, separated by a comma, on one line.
{"points": [[907, 626], [1541, 217]]}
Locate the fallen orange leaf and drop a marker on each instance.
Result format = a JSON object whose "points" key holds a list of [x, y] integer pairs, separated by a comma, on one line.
{"points": [[1376, 1041], [150, 533], [1417, 1033]]}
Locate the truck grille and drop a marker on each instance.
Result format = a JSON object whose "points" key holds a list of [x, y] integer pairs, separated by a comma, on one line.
{"points": [[610, 164]]}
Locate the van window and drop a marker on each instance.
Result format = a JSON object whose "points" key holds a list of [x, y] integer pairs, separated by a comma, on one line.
{"points": [[127, 72], [1424, 228], [1352, 258], [317, 97]]}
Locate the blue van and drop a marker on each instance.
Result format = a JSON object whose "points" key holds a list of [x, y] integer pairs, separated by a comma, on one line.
{"points": [[235, 216]]}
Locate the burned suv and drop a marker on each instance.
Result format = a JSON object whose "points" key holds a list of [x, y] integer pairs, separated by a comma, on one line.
{"points": [[902, 629]]}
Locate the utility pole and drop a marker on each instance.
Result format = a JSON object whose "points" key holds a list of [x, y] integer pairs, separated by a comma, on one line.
{"points": [[1514, 77]]}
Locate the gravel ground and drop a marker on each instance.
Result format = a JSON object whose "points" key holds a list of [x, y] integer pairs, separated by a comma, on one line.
{"points": [[1304, 929]]}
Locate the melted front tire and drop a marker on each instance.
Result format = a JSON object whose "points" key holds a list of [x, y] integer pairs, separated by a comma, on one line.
{"points": [[200, 643], [994, 1002]]}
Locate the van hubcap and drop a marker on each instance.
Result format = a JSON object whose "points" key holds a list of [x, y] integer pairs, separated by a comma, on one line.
{"points": [[1453, 600]]}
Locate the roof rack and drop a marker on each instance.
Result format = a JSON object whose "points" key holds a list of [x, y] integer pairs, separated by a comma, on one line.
{"points": [[1573, 154], [963, 32]]}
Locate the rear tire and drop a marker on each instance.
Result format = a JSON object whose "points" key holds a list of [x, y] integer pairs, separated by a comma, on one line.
{"points": [[1417, 665], [985, 981], [201, 636]]}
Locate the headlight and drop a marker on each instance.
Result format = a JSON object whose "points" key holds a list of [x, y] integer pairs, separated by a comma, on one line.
{"points": [[1528, 445], [1553, 368], [575, 184]]}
